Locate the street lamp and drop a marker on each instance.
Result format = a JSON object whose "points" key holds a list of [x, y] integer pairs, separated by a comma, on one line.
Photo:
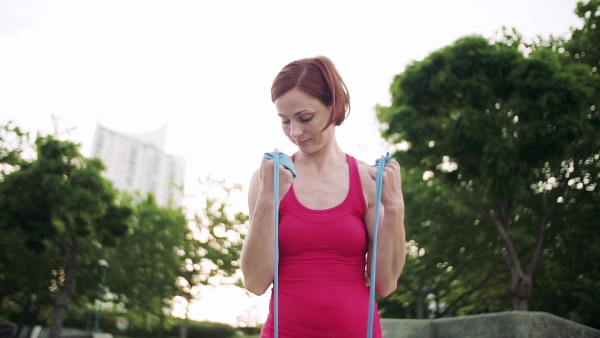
{"points": [[104, 267]]}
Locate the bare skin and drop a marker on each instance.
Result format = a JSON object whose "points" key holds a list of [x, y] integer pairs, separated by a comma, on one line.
{"points": [[322, 183]]}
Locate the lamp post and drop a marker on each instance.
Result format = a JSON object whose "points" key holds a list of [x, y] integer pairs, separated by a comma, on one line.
{"points": [[104, 267]]}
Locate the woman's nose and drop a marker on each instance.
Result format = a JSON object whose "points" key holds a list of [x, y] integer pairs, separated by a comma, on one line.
{"points": [[295, 129]]}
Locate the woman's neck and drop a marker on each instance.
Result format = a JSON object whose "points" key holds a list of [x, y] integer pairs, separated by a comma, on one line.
{"points": [[323, 159]]}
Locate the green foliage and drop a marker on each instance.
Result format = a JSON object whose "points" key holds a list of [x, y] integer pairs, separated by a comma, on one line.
{"points": [[52, 205], [164, 254], [210, 330], [454, 261], [58, 214], [27, 293], [150, 327], [12, 142], [60, 196], [478, 103], [211, 255], [144, 263], [571, 268], [584, 45], [508, 143]]}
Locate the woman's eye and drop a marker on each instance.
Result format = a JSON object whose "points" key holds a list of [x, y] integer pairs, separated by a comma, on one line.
{"points": [[307, 119], [285, 121]]}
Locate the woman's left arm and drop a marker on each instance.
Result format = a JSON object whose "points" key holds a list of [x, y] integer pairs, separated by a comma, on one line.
{"points": [[391, 239]]}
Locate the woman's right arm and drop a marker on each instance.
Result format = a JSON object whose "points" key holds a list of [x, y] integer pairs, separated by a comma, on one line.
{"points": [[257, 257]]}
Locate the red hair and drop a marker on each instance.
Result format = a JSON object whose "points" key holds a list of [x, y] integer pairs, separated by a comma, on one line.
{"points": [[319, 78]]}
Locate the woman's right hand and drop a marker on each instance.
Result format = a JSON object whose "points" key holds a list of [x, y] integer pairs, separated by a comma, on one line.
{"points": [[267, 178], [257, 251]]}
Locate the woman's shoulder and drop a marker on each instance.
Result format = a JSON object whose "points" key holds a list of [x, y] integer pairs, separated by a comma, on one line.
{"points": [[362, 165], [367, 182], [255, 180]]}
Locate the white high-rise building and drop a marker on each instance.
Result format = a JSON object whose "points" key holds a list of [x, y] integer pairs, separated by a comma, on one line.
{"points": [[137, 162]]}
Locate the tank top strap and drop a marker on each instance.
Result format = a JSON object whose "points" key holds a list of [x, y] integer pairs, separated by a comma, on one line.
{"points": [[356, 190]]}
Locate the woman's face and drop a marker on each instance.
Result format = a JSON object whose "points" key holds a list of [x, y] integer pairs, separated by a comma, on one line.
{"points": [[303, 118]]}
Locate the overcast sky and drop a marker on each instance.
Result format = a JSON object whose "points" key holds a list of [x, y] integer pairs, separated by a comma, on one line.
{"points": [[206, 67]]}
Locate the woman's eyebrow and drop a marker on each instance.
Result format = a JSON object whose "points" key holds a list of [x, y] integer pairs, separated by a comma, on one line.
{"points": [[296, 114]]}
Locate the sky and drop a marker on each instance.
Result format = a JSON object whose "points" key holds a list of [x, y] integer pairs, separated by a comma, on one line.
{"points": [[206, 67]]}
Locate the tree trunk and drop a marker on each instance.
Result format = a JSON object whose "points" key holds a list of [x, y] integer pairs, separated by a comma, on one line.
{"points": [[183, 329], [520, 289], [145, 321], [64, 298], [28, 316], [520, 286], [19, 329], [421, 306], [161, 326], [24, 315], [58, 316], [29, 330]]}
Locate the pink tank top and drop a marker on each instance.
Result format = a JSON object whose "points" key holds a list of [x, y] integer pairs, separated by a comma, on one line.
{"points": [[322, 259]]}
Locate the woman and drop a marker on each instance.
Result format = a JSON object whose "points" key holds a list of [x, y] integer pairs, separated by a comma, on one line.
{"points": [[326, 216]]}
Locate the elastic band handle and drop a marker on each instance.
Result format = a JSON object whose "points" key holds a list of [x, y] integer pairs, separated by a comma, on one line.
{"points": [[380, 163], [278, 158], [276, 244]]}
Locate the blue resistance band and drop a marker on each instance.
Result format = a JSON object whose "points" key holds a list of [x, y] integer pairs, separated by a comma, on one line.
{"points": [[380, 164], [279, 158]]}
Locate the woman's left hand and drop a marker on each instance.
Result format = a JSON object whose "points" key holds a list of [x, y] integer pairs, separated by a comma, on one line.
{"points": [[391, 193]]}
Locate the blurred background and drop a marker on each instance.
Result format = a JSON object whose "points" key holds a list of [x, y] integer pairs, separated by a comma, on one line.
{"points": [[490, 106]]}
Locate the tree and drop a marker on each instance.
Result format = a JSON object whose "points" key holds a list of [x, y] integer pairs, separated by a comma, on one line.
{"points": [[14, 288], [12, 143], [453, 260], [144, 264], [514, 128], [577, 248], [211, 253], [584, 45], [571, 271], [571, 268], [27, 283], [57, 200]]}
